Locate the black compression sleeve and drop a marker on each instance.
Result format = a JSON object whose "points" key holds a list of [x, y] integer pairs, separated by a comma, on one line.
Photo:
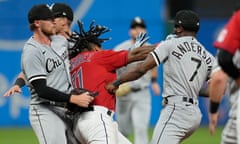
{"points": [[49, 93], [225, 60], [213, 107], [20, 82]]}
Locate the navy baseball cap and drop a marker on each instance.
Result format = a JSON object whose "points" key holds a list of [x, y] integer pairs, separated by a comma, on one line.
{"points": [[188, 19], [62, 10], [39, 12], [137, 21]]}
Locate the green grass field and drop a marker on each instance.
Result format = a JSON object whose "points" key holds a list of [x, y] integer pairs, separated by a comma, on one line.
{"points": [[26, 136]]}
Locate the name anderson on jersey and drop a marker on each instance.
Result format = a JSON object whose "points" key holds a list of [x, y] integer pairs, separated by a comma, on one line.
{"points": [[186, 47]]}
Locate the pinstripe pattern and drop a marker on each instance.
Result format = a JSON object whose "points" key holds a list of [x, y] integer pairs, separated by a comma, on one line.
{"points": [[105, 129], [39, 120], [170, 116]]}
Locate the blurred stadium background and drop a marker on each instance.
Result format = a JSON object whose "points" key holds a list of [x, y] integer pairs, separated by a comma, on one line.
{"points": [[14, 31]]}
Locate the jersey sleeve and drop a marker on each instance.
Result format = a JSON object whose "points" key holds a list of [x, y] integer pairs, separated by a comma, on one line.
{"points": [[112, 60], [160, 54], [229, 38], [212, 66], [32, 63]]}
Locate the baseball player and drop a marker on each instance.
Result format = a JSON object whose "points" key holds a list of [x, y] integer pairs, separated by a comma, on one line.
{"points": [[63, 17], [186, 65], [228, 44], [136, 103], [91, 68], [48, 79], [221, 85]]}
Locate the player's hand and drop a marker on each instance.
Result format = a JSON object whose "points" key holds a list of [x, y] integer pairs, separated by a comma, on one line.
{"points": [[82, 100], [141, 39], [111, 88], [213, 119], [14, 89]]}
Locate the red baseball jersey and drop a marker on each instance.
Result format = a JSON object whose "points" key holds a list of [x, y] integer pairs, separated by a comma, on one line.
{"points": [[93, 70], [229, 37]]}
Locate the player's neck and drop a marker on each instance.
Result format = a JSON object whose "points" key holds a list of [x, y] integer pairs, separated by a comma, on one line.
{"points": [[41, 38], [186, 33]]}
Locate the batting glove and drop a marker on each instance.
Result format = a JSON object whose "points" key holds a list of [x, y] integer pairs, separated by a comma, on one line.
{"points": [[141, 39]]}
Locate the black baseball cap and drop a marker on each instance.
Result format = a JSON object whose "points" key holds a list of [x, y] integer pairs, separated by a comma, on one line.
{"points": [[188, 19], [137, 21], [39, 12], [62, 10]]}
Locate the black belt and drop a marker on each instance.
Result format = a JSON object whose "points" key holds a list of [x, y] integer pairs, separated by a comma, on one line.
{"points": [[109, 113], [138, 89], [186, 99]]}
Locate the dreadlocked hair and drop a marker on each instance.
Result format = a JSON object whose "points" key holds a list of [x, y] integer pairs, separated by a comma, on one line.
{"points": [[83, 39]]}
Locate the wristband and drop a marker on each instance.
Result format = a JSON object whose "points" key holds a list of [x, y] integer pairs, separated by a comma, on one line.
{"points": [[20, 82], [214, 106], [153, 79], [116, 83]]}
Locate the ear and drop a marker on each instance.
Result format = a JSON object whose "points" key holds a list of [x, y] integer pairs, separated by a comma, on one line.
{"points": [[95, 47], [36, 23], [179, 29]]}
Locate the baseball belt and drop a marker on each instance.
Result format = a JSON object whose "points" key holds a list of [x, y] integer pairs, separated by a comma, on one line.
{"points": [[103, 110], [180, 99]]}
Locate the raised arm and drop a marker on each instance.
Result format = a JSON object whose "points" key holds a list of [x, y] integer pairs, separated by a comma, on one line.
{"points": [[133, 73], [139, 53]]}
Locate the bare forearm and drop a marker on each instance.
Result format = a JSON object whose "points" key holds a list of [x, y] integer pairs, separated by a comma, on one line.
{"points": [[132, 74], [217, 86], [139, 53]]}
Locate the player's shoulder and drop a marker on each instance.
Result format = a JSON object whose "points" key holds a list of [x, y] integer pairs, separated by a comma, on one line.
{"points": [[58, 37], [169, 40], [235, 15], [31, 45], [110, 52], [170, 36]]}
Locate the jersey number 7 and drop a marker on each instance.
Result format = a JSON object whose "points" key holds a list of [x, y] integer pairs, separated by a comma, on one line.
{"points": [[199, 62]]}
